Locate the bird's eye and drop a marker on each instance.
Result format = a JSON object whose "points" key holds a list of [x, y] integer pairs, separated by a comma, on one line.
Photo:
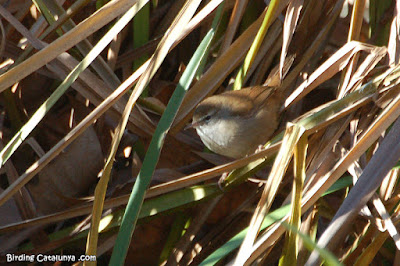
{"points": [[207, 118]]}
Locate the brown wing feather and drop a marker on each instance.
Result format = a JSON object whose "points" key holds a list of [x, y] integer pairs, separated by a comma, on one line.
{"points": [[248, 100]]}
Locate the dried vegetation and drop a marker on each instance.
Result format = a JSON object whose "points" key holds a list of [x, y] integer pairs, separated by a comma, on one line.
{"points": [[95, 96]]}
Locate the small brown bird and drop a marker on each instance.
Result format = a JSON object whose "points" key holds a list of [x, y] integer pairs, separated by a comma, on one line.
{"points": [[235, 123]]}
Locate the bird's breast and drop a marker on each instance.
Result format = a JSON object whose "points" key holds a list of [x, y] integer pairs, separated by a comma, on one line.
{"points": [[236, 138]]}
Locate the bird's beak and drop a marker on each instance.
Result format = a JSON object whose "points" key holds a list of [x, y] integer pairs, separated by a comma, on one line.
{"points": [[192, 125]]}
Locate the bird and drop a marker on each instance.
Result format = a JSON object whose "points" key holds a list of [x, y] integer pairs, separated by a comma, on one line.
{"points": [[236, 123]]}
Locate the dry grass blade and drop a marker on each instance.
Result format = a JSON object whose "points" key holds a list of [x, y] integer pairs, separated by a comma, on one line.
{"points": [[390, 227], [387, 223], [334, 64], [23, 199], [13, 21], [210, 173], [367, 256], [364, 69], [312, 49], [290, 252], [394, 38], [292, 16], [324, 150], [389, 185], [72, 10], [290, 140], [3, 39], [354, 35], [234, 21], [356, 20]]}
